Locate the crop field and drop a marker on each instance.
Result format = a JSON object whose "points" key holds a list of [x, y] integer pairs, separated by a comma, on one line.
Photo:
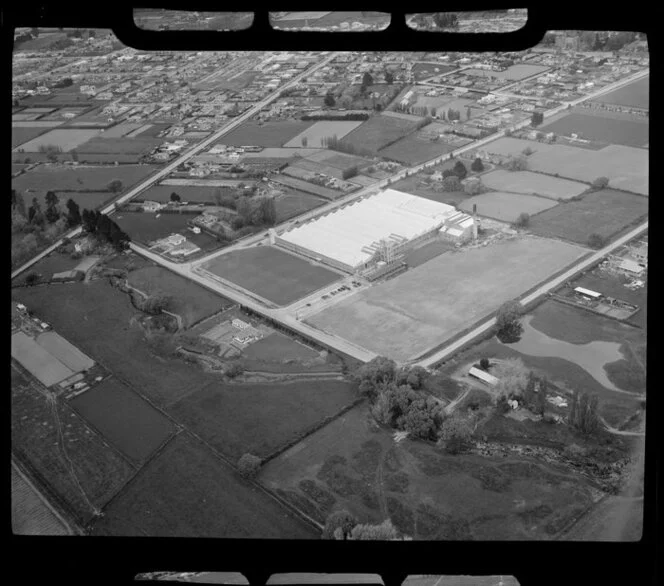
{"points": [[271, 273], [320, 130], [404, 317], [165, 501], [339, 160], [94, 178], [147, 227], [295, 203], [36, 438], [259, 418], [124, 418], [513, 73], [379, 130], [66, 139], [530, 183], [189, 300], [415, 149], [596, 127], [606, 212], [635, 94], [506, 207], [266, 134], [427, 494], [190, 193], [626, 167]]}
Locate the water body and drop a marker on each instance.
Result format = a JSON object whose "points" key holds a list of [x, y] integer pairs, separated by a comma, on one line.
{"points": [[591, 357]]}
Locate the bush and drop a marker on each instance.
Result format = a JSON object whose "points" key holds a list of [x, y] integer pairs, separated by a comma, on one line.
{"points": [[249, 465], [502, 406], [523, 220], [32, 278], [339, 525], [485, 364], [234, 369], [454, 435], [596, 241], [601, 183]]}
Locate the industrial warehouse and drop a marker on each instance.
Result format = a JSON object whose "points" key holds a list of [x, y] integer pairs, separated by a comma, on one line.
{"points": [[376, 229]]}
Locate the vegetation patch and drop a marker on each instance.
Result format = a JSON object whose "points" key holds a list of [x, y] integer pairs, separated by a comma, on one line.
{"points": [[321, 497], [401, 516]]}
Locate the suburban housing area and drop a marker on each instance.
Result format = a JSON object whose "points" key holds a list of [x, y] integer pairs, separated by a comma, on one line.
{"points": [[338, 295]]}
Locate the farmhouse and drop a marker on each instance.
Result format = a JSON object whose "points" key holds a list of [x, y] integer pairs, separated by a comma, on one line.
{"points": [[378, 228]]}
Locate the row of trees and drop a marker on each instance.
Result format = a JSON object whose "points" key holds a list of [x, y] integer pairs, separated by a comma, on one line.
{"points": [[335, 144], [104, 229]]}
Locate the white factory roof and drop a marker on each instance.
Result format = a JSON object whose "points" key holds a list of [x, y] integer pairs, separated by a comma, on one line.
{"points": [[343, 235]]}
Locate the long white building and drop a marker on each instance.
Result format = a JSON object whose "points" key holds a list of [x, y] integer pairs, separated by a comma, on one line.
{"points": [[356, 236]]}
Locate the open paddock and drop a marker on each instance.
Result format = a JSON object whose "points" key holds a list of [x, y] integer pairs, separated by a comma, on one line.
{"points": [[605, 212], [378, 131], [189, 300], [634, 95], [165, 501], [512, 73], [422, 70], [406, 316], [266, 134], [626, 167], [24, 134], [119, 145], [271, 273], [314, 135], [191, 193], [122, 129], [530, 183], [506, 207], [66, 139], [341, 161], [418, 148], [124, 418], [293, 203]]}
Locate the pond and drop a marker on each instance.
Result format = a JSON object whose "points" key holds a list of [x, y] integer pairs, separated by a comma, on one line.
{"points": [[592, 357]]}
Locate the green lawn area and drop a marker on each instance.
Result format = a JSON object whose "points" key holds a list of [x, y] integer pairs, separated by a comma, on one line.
{"points": [[165, 501], [189, 300], [277, 276], [606, 212]]}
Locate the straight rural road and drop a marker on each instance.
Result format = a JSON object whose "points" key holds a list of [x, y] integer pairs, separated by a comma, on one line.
{"points": [[191, 152], [539, 292]]}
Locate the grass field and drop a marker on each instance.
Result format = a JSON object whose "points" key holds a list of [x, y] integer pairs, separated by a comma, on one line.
{"points": [[341, 161], [147, 227], [36, 438], [85, 200], [635, 94], [513, 73], [379, 130], [506, 207], [294, 203], [190, 193], [425, 253], [633, 133], [271, 273], [406, 316], [415, 149], [22, 134], [529, 183], [266, 134], [626, 167], [604, 212], [165, 500], [46, 267], [124, 418], [422, 70], [119, 145], [80, 178], [259, 418], [320, 130], [276, 347], [61, 137], [189, 300], [427, 494]]}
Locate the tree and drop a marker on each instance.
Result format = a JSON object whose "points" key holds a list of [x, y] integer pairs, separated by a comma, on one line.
{"points": [[485, 364], [88, 220], [502, 406], [536, 119], [74, 155], [341, 521], [268, 211], [34, 210], [349, 172], [512, 377], [473, 188], [248, 465], [389, 77], [455, 435], [522, 221], [115, 186], [73, 213], [329, 100], [477, 165], [451, 183], [468, 112], [156, 303], [417, 376], [527, 152], [517, 163], [367, 80], [175, 197], [31, 278], [383, 532], [18, 203], [583, 412], [52, 214], [234, 369], [508, 324], [596, 240], [601, 183], [460, 170], [304, 141], [379, 370], [19, 221]]}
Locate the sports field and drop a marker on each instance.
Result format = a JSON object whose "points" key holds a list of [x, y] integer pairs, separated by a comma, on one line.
{"points": [[529, 183], [314, 135], [604, 212], [124, 418], [379, 130], [66, 139], [267, 134], [189, 300], [626, 167], [602, 128], [506, 207], [422, 308], [271, 273], [635, 94], [165, 501]]}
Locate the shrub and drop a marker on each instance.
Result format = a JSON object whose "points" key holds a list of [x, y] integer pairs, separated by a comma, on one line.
{"points": [[249, 465], [485, 364], [601, 183], [523, 220], [596, 240], [339, 525], [454, 435], [234, 369], [31, 278], [502, 406]]}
